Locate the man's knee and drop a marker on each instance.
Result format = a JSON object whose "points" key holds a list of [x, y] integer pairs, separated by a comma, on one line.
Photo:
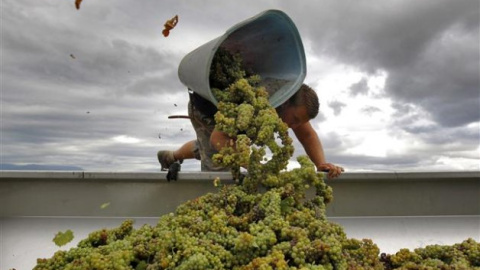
{"points": [[196, 151]]}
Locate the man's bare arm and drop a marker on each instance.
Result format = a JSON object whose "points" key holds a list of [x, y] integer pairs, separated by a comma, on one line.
{"points": [[313, 147]]}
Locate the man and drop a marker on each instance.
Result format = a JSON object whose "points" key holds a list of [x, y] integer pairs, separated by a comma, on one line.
{"points": [[296, 112]]}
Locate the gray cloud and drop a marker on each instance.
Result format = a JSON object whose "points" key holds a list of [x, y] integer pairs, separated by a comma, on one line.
{"points": [[361, 87], [321, 117], [369, 110], [467, 138], [336, 106], [444, 81], [429, 50], [123, 81]]}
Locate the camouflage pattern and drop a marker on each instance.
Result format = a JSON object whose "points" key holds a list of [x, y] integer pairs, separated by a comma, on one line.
{"points": [[203, 150]]}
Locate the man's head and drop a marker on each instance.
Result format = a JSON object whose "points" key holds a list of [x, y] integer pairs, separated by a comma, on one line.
{"points": [[299, 108]]}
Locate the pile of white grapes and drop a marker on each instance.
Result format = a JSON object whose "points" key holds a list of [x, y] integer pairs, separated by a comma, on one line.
{"points": [[266, 221]]}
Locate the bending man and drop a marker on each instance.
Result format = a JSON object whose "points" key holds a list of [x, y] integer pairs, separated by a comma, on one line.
{"points": [[296, 112]]}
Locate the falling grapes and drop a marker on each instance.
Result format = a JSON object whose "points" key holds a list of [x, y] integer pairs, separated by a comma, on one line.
{"points": [[243, 226]]}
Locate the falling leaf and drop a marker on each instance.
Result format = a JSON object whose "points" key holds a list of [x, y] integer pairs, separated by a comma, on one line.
{"points": [[169, 25], [216, 181], [72, 56], [105, 205], [77, 3], [63, 238]]}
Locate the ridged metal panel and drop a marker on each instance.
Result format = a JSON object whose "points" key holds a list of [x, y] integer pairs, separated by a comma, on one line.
{"points": [[29, 193], [395, 209]]}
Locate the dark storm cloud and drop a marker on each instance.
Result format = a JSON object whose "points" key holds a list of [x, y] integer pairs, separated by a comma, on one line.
{"points": [[38, 125], [444, 80], [71, 84], [99, 57], [75, 82], [437, 135], [429, 49], [407, 118], [155, 84], [101, 63]]}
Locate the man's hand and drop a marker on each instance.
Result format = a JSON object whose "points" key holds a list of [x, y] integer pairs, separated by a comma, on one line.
{"points": [[332, 170]]}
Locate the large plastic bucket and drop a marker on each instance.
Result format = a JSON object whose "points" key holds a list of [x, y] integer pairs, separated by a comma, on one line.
{"points": [[270, 46]]}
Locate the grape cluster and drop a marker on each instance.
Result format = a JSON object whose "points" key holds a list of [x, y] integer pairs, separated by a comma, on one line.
{"points": [[228, 229], [464, 255], [266, 222], [245, 112], [225, 69]]}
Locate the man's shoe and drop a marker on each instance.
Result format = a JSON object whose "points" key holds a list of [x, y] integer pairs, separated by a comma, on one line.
{"points": [[173, 171], [166, 159]]}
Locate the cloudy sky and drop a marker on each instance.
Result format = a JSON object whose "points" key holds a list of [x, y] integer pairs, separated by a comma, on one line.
{"points": [[91, 89]]}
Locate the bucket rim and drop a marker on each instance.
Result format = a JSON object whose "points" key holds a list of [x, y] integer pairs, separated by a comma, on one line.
{"points": [[217, 42]]}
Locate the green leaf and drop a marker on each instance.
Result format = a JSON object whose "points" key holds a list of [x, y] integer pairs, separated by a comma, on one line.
{"points": [[105, 205], [63, 238]]}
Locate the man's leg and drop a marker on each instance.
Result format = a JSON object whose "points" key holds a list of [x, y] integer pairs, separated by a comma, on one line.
{"points": [[199, 149], [186, 151], [167, 158]]}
